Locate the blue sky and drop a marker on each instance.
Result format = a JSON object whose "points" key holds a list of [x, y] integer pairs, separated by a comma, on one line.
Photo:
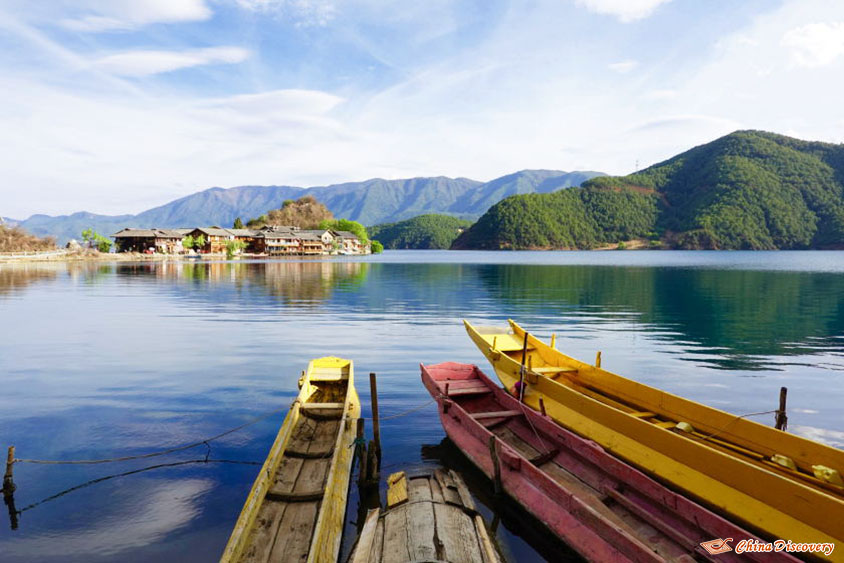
{"points": [[114, 106]]}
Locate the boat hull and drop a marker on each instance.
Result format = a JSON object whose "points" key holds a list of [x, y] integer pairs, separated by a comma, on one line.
{"points": [[601, 507], [297, 505], [747, 487]]}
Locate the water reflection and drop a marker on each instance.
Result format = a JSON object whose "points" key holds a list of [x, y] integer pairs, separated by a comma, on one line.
{"points": [[730, 319], [119, 359], [14, 277]]}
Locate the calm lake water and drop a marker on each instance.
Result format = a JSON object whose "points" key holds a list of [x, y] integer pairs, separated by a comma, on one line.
{"points": [[107, 360]]}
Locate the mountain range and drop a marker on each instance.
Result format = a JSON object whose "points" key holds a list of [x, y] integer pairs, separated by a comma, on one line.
{"points": [[750, 190], [369, 202]]}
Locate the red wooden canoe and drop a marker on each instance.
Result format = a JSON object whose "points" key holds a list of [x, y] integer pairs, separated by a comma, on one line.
{"points": [[597, 504]]}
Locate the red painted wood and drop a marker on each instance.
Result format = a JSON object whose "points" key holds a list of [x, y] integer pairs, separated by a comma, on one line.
{"points": [[575, 517]]}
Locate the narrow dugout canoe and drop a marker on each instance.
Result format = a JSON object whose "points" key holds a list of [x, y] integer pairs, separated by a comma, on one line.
{"points": [[429, 517], [603, 508], [732, 464], [296, 507]]}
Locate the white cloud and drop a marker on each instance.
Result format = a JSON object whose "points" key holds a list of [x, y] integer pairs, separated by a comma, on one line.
{"points": [[815, 44], [146, 512], [108, 15], [624, 10], [303, 12], [661, 95], [145, 63], [623, 67]]}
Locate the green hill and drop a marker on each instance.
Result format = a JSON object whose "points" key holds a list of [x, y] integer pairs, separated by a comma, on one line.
{"points": [[422, 232], [747, 190]]}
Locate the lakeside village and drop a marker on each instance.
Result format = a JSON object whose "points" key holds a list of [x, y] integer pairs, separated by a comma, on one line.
{"points": [[270, 240]]}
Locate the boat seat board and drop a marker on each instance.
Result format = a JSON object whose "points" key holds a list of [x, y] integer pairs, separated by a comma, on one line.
{"points": [[312, 406], [464, 391], [494, 414], [506, 342], [548, 370]]}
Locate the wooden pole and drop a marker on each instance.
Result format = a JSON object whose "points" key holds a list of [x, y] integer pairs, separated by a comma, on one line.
{"points": [[360, 452], [9, 488], [782, 418], [598, 359], [376, 424], [542, 406], [493, 455], [8, 481], [553, 340]]}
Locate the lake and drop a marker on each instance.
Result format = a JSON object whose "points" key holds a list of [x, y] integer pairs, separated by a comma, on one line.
{"points": [[101, 360]]}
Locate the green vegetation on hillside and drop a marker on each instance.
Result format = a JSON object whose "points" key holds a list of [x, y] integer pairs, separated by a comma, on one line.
{"points": [[747, 190], [569, 218], [422, 232], [16, 239]]}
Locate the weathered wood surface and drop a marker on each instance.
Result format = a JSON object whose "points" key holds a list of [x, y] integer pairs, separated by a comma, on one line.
{"points": [[437, 522], [296, 508], [602, 507]]}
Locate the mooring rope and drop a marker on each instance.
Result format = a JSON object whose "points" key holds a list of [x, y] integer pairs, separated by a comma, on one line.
{"points": [[198, 443], [736, 419], [133, 472], [403, 413]]}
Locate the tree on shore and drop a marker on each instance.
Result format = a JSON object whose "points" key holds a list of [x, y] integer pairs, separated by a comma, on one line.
{"points": [[96, 240], [238, 224]]}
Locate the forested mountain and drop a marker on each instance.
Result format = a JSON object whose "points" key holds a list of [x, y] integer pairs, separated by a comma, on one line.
{"points": [[747, 190], [423, 232], [369, 202]]}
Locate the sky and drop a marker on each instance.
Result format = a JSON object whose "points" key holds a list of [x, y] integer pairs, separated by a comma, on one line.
{"points": [[115, 106]]}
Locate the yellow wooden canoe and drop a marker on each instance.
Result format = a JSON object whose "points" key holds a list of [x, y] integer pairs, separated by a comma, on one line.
{"points": [[296, 507], [779, 484]]}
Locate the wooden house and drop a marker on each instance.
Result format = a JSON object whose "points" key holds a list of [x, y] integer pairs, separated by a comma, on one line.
{"points": [[166, 241], [215, 239], [349, 242], [277, 240]]}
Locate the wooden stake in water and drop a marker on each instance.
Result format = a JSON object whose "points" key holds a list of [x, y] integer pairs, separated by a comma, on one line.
{"points": [[8, 481], [782, 418], [376, 424]]}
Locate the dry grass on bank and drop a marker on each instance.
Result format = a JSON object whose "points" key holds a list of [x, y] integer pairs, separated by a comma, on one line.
{"points": [[16, 239]]}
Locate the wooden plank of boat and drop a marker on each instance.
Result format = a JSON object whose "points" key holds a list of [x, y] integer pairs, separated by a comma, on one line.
{"points": [[297, 504], [429, 517], [599, 505], [721, 459]]}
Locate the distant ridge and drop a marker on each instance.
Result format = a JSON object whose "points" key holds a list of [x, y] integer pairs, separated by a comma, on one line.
{"points": [[370, 202], [750, 190]]}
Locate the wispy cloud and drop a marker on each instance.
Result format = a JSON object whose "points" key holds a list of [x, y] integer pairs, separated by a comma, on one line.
{"points": [[103, 15], [623, 67], [815, 44], [302, 12], [146, 63], [624, 10]]}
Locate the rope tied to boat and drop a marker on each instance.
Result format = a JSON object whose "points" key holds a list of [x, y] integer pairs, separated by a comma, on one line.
{"points": [[204, 441], [736, 419], [403, 413]]}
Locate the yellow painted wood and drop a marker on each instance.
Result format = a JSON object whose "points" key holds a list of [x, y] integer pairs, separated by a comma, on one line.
{"points": [[759, 494], [396, 489], [325, 543]]}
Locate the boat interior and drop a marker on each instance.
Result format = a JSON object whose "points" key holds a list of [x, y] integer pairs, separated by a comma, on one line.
{"points": [[288, 515]]}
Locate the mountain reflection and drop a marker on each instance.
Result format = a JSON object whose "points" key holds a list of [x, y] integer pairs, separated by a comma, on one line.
{"points": [[738, 314], [737, 319]]}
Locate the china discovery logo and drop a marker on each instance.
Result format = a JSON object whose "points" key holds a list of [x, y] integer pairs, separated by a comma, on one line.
{"points": [[716, 546]]}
